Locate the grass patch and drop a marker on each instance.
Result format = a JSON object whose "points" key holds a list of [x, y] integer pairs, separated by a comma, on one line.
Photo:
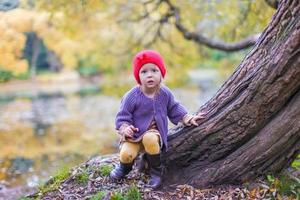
{"points": [[133, 193], [296, 162], [285, 185], [56, 180], [116, 196], [102, 170], [98, 196], [105, 170], [82, 177]]}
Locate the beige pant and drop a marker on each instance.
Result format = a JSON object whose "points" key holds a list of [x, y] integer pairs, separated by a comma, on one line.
{"points": [[150, 143]]}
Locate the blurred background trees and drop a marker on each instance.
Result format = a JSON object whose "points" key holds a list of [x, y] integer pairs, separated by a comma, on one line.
{"points": [[95, 37]]}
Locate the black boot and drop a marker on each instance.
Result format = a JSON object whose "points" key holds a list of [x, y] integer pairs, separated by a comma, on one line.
{"points": [[142, 164], [155, 170], [120, 171]]}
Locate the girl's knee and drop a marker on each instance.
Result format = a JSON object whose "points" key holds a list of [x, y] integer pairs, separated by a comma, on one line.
{"points": [[128, 152], [127, 156], [151, 143]]}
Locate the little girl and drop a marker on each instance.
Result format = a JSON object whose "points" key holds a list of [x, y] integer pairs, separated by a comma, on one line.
{"points": [[142, 120]]}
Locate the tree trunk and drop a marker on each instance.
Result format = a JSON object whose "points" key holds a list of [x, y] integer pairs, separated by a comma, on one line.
{"points": [[252, 125], [31, 52], [35, 53]]}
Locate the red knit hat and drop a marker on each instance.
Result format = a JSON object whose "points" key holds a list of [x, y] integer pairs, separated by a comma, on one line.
{"points": [[144, 57]]}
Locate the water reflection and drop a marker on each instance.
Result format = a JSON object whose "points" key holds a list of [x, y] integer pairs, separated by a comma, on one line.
{"points": [[46, 110], [40, 134], [20, 165]]}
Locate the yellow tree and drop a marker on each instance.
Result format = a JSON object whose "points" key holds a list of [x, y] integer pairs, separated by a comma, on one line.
{"points": [[106, 34]]}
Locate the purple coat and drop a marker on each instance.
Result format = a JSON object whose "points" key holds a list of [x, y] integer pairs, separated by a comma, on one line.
{"points": [[139, 110]]}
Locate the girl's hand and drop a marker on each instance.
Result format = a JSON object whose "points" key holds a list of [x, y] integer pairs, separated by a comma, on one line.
{"points": [[194, 119], [189, 120], [129, 131]]}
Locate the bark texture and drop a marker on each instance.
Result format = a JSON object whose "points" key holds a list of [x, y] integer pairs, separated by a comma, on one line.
{"points": [[252, 125]]}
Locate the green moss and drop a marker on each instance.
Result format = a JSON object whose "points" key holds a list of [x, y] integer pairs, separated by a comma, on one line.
{"points": [[98, 196], [105, 170], [133, 193], [54, 183], [117, 196], [82, 177], [296, 163]]}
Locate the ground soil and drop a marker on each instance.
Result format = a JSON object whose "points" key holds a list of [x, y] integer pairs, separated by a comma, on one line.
{"points": [[71, 189]]}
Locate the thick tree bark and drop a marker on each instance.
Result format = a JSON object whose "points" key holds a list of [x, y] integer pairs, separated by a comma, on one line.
{"points": [[252, 126]]}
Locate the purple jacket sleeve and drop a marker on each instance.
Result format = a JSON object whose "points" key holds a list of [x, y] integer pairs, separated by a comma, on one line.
{"points": [[126, 109], [176, 111]]}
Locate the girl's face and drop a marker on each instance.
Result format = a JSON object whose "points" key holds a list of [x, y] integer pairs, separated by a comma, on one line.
{"points": [[150, 76]]}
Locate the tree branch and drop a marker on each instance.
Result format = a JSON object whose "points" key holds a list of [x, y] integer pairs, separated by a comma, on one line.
{"points": [[201, 39]]}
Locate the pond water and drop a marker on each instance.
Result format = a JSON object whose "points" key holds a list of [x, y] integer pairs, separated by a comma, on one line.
{"points": [[44, 133]]}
